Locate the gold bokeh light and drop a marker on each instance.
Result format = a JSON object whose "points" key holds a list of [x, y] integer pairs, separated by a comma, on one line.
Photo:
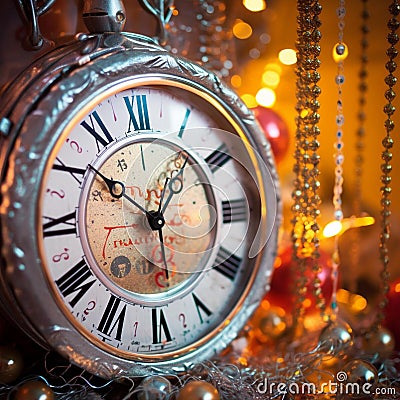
{"points": [[255, 5], [249, 100], [287, 56], [271, 79], [242, 30], [266, 97]]}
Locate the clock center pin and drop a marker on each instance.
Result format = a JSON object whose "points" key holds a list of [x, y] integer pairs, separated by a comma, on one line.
{"points": [[156, 220]]}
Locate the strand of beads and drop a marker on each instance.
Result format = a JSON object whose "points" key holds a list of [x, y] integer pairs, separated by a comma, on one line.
{"points": [[359, 145], [339, 55], [379, 340], [216, 45], [387, 143], [305, 240]]}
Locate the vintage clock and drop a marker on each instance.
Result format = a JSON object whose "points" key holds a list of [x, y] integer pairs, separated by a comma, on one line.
{"points": [[139, 206]]}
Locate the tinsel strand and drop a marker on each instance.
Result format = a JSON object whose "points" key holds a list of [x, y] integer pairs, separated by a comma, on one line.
{"points": [[305, 241], [216, 46]]}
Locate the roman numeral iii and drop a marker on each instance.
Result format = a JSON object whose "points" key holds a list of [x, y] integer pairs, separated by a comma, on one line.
{"points": [[234, 210], [227, 264]]}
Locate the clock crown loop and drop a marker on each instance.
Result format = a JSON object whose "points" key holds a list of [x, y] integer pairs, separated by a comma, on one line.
{"points": [[102, 16]]}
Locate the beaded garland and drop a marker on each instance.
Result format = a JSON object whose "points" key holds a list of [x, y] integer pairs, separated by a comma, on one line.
{"points": [[208, 40], [386, 167], [359, 145], [339, 55], [305, 209]]}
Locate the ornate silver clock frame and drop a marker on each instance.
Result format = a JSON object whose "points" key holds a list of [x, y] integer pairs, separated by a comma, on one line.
{"points": [[37, 112]]}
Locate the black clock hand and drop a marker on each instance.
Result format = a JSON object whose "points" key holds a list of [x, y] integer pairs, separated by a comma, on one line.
{"points": [[172, 189], [117, 190], [160, 234], [162, 195]]}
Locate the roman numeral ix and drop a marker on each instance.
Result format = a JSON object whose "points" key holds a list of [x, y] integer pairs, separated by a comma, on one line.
{"points": [[218, 158], [71, 170], [65, 225]]}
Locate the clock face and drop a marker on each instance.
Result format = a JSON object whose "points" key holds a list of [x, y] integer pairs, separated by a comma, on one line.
{"points": [[121, 233], [145, 215]]}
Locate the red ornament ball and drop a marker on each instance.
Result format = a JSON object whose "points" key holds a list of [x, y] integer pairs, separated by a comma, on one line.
{"points": [[282, 291], [275, 129], [392, 312]]}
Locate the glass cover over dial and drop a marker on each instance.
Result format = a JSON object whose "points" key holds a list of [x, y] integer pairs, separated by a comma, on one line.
{"points": [[146, 220]]}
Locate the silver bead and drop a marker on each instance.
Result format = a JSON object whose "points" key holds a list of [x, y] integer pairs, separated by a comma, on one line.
{"points": [[340, 49], [336, 337], [380, 343], [361, 376], [154, 388]]}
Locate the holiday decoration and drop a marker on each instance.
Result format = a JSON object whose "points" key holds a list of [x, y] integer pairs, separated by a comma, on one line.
{"points": [[34, 390], [198, 390], [379, 343], [283, 281], [154, 388], [275, 129], [362, 375], [328, 326], [11, 364], [337, 338], [391, 321]]}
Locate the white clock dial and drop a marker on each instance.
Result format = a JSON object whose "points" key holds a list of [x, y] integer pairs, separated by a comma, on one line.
{"points": [[142, 157]]}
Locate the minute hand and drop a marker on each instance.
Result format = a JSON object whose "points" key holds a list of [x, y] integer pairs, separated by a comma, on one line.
{"points": [[175, 186]]}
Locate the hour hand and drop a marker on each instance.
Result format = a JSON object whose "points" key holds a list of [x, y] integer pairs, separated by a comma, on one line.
{"points": [[117, 189]]}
